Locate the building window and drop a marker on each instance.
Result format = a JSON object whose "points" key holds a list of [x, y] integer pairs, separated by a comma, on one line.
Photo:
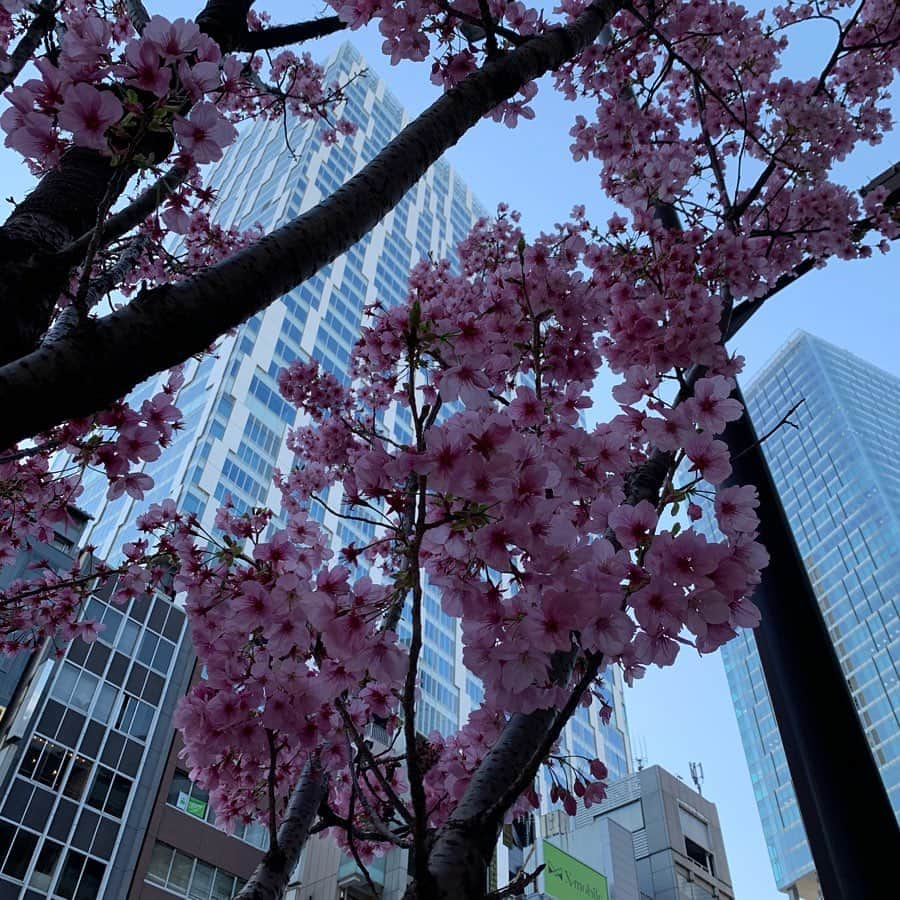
{"points": [[78, 777], [80, 878], [44, 762], [155, 651], [74, 687], [190, 877], [17, 850], [109, 792], [135, 717], [188, 797], [42, 876], [193, 800], [699, 855]]}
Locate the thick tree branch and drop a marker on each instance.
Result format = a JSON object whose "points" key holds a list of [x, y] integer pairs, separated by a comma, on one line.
{"points": [[106, 358], [137, 14], [65, 205], [42, 22], [225, 21], [62, 207], [271, 876], [283, 35]]}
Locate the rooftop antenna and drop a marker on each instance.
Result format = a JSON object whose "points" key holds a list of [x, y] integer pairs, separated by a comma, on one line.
{"points": [[641, 760], [697, 776]]}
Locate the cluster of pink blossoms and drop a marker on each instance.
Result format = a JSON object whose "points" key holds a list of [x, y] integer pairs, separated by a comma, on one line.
{"points": [[107, 89], [538, 533], [514, 511], [38, 498], [166, 70]]}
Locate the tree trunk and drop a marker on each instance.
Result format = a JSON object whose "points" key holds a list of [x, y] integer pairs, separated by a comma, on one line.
{"points": [[66, 204], [270, 879]]}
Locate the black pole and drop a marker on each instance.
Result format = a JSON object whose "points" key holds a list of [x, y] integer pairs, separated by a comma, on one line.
{"points": [[850, 825]]}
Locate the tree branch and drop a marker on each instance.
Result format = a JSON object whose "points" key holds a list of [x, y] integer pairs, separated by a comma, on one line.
{"points": [[283, 35], [271, 876], [137, 15], [65, 204], [106, 358], [742, 313], [131, 216], [42, 22]]}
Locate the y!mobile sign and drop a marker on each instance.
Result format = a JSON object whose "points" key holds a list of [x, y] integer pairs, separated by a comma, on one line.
{"points": [[565, 878]]}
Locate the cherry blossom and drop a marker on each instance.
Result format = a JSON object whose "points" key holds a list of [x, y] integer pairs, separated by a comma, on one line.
{"points": [[559, 548], [87, 113], [204, 133]]}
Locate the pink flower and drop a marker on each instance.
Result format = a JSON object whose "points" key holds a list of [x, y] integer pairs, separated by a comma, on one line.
{"points": [[669, 432], [205, 133], [87, 113], [133, 484], [709, 457], [609, 634], [443, 460], [466, 382], [735, 510], [633, 525], [33, 136], [711, 406], [199, 79], [659, 649], [173, 40], [144, 70], [526, 409], [139, 443], [522, 668], [640, 382], [492, 541], [685, 559], [659, 607], [550, 628]]}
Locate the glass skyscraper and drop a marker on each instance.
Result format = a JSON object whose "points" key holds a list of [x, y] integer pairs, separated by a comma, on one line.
{"points": [[837, 477]]}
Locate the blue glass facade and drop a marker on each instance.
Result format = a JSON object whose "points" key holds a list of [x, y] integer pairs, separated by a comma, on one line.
{"points": [[836, 474]]}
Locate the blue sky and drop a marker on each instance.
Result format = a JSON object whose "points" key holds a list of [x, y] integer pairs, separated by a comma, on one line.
{"points": [[683, 713]]}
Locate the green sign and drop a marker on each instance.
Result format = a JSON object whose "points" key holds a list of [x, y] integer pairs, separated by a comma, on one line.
{"points": [[197, 807], [565, 878]]}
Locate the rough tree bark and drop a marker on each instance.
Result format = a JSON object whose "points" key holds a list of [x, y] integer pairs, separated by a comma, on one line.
{"points": [[271, 876], [103, 359], [39, 242]]}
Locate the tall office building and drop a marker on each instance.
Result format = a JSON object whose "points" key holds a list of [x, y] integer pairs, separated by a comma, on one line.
{"points": [[232, 440], [235, 418], [837, 477]]}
